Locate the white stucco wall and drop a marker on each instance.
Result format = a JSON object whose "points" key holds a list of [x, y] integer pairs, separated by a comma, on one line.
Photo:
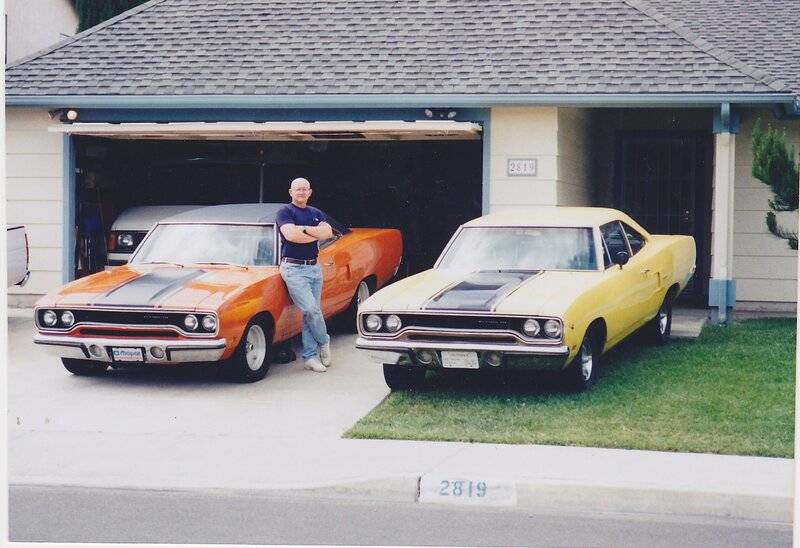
{"points": [[523, 132], [33, 25], [34, 189], [765, 268]]}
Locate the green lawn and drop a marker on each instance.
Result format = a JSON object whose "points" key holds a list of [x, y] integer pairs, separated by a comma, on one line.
{"points": [[730, 391]]}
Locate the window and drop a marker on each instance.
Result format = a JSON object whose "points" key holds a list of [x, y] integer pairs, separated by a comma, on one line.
{"points": [[325, 243], [521, 248], [613, 242], [635, 240]]}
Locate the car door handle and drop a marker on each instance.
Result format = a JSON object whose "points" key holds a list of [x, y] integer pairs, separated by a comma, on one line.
{"points": [[645, 271], [328, 264]]}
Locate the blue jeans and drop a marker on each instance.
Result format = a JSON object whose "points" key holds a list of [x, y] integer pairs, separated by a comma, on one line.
{"points": [[304, 283]]}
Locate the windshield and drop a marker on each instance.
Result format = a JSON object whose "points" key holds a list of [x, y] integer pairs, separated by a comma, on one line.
{"points": [[248, 245], [521, 248]]}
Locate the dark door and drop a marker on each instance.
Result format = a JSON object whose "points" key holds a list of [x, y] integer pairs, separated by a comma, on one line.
{"points": [[663, 181]]}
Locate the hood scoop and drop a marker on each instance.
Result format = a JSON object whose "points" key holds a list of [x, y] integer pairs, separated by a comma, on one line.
{"points": [[480, 291], [149, 289]]}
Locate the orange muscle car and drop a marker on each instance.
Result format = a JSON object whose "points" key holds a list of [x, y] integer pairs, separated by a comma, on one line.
{"points": [[204, 286]]}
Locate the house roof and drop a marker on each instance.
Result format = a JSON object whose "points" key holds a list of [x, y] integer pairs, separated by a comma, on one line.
{"points": [[761, 33], [469, 47]]}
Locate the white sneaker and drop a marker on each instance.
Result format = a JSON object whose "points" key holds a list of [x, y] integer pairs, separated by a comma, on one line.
{"points": [[325, 354], [315, 365]]}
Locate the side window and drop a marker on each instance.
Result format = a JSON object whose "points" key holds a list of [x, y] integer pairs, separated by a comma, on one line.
{"points": [[635, 240], [614, 242], [325, 243]]}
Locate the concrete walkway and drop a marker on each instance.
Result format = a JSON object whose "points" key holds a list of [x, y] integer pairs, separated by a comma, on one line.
{"points": [[175, 431], [687, 323]]}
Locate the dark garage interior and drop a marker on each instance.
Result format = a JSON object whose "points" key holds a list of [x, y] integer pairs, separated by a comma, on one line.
{"points": [[424, 188]]}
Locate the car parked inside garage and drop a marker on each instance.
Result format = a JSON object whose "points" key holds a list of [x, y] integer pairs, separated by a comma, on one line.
{"points": [[17, 255], [131, 226], [549, 288], [204, 286]]}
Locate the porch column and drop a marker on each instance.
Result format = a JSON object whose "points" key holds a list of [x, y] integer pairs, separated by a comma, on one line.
{"points": [[722, 286]]}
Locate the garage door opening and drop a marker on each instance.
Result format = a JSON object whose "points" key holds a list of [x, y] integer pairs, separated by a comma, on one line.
{"points": [[424, 188]]}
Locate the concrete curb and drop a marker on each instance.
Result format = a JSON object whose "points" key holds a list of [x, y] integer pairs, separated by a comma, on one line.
{"points": [[539, 496]]}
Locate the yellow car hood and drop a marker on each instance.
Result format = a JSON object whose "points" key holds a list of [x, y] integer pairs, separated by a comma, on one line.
{"points": [[540, 292]]}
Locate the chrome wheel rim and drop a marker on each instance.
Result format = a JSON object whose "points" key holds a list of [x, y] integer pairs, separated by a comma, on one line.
{"points": [[362, 293], [662, 321], [255, 347], [586, 360]]}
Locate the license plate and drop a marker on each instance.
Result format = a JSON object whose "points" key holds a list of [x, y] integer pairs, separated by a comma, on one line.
{"points": [[127, 354], [459, 360]]}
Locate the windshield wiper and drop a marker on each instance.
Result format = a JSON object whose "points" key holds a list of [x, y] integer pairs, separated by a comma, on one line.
{"points": [[504, 270], [222, 263], [164, 262]]}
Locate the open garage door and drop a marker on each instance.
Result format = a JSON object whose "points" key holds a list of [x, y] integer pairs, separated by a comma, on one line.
{"points": [[424, 177]]}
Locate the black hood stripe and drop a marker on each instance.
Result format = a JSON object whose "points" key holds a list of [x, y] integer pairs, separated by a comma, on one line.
{"points": [[149, 289], [480, 291]]}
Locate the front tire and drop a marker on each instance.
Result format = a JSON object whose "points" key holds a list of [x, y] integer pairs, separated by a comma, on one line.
{"points": [[659, 329], [250, 363], [399, 377], [84, 368], [580, 375]]}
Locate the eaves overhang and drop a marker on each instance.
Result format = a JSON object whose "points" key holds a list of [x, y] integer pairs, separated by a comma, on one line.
{"points": [[651, 100]]}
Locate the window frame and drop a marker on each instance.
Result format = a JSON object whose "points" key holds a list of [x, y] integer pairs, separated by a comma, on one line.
{"points": [[606, 251], [641, 237]]}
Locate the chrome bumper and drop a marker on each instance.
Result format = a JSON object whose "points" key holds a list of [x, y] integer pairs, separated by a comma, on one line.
{"points": [[533, 357], [181, 351]]}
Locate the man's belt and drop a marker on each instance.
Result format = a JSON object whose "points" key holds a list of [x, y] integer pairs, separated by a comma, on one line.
{"points": [[299, 261]]}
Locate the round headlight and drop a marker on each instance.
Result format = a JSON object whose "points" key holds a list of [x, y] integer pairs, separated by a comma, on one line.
{"points": [[373, 322], [125, 240], [67, 318], [552, 328], [190, 322], [209, 322], [531, 327], [393, 323], [49, 318]]}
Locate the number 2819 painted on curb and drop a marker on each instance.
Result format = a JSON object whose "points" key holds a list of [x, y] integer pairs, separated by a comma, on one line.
{"points": [[462, 488]]}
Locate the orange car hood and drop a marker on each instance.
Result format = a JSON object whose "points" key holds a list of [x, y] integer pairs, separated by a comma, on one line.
{"points": [[168, 287]]}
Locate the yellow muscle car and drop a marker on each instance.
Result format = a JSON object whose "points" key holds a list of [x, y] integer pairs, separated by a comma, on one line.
{"points": [[545, 288]]}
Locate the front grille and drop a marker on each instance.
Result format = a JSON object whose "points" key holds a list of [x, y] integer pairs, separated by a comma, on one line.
{"points": [[494, 323], [475, 328], [143, 318], [131, 333]]}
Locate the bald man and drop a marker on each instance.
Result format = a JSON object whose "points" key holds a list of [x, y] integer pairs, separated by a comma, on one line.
{"points": [[302, 227]]}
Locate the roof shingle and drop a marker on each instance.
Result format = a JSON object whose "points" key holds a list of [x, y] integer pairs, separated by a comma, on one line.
{"points": [[318, 47]]}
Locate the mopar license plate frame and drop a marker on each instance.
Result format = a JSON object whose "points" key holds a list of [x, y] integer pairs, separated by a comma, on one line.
{"points": [[460, 359], [127, 354]]}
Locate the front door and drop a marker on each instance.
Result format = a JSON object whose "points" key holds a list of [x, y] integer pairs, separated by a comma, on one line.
{"points": [[663, 181]]}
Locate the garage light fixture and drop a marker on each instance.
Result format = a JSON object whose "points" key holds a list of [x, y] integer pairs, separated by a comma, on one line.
{"points": [[440, 113]]}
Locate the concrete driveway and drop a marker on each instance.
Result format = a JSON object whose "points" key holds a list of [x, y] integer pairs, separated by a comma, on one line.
{"points": [[182, 429]]}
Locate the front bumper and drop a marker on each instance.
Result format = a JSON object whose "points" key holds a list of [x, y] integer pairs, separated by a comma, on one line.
{"points": [[530, 357], [181, 351]]}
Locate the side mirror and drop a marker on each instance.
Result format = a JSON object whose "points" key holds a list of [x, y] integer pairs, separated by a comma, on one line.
{"points": [[621, 258]]}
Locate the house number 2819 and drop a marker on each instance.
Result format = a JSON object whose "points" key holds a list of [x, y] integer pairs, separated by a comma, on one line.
{"points": [[462, 488]]}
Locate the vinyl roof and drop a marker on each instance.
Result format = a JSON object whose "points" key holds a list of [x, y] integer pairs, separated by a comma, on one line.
{"points": [[550, 216]]}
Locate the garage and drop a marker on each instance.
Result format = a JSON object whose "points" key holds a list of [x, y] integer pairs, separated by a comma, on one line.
{"points": [[423, 177]]}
